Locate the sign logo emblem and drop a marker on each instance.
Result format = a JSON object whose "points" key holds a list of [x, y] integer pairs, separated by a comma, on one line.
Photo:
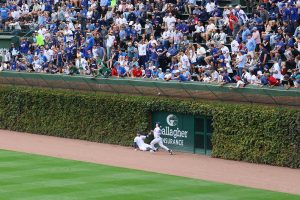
{"points": [[172, 120]]}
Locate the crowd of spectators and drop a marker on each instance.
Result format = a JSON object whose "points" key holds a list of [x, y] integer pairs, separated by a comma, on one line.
{"points": [[184, 40]]}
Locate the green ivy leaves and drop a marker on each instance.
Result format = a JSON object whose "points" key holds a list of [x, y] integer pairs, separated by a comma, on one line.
{"points": [[252, 133]]}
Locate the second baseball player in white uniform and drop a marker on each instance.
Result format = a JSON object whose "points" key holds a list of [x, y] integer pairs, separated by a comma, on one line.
{"points": [[140, 144], [158, 140]]}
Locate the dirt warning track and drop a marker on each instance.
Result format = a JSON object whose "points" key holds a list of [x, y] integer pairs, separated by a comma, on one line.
{"points": [[188, 165]]}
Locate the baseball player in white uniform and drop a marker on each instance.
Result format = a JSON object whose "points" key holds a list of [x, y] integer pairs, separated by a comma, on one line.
{"points": [[158, 140], [138, 143]]}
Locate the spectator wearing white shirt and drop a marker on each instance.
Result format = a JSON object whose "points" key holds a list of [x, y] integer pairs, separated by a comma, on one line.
{"points": [[152, 40], [254, 79], [224, 48], [37, 66], [14, 51], [137, 27], [15, 25], [234, 46], [246, 76], [120, 21], [142, 51], [81, 64], [216, 76], [201, 54], [42, 30], [199, 29], [210, 6], [68, 34], [223, 36], [192, 55], [184, 60], [109, 43], [71, 26], [170, 21], [177, 38], [16, 14], [122, 7], [89, 13], [6, 56], [36, 7], [95, 52], [276, 70], [165, 37], [25, 9], [49, 54], [209, 29], [241, 15], [239, 82]]}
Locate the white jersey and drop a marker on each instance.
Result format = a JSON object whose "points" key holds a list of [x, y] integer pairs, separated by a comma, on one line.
{"points": [[139, 140], [142, 49], [158, 140], [235, 46], [157, 132]]}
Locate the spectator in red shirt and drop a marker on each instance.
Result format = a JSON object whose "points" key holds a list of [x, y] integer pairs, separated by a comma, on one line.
{"points": [[233, 20], [114, 72], [136, 72], [272, 81]]}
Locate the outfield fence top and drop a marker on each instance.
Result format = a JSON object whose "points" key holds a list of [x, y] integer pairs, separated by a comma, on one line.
{"points": [[277, 96]]}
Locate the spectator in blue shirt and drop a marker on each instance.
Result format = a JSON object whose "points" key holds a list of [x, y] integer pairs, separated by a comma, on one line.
{"points": [[24, 46], [273, 11], [184, 28], [288, 28], [85, 3], [294, 15], [241, 61], [251, 44], [155, 72], [245, 33], [285, 13], [104, 3], [226, 78], [148, 73], [186, 74], [178, 75], [153, 55], [4, 13], [161, 75], [121, 70], [42, 57], [221, 60], [264, 80], [90, 41], [29, 57], [172, 51], [259, 22]]}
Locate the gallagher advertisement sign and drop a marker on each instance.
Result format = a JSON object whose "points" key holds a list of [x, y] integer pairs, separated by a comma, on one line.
{"points": [[177, 130]]}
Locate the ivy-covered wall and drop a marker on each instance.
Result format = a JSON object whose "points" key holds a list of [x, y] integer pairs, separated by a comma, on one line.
{"points": [[251, 133]]}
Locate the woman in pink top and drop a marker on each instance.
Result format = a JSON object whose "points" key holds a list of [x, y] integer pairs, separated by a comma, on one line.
{"points": [[256, 35]]}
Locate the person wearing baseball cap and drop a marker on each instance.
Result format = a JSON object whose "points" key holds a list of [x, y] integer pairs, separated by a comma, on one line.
{"points": [[158, 140]]}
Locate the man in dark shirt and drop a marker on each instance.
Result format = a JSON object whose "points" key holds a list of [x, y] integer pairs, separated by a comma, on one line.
{"points": [[263, 55]]}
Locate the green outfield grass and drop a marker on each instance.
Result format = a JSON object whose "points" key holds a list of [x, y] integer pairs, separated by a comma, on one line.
{"points": [[31, 177]]}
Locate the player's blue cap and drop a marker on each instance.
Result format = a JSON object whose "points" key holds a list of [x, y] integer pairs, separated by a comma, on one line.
{"points": [[158, 123]]}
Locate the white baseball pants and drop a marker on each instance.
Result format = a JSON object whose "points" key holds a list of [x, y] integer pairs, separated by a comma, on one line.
{"points": [[159, 142], [145, 147]]}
